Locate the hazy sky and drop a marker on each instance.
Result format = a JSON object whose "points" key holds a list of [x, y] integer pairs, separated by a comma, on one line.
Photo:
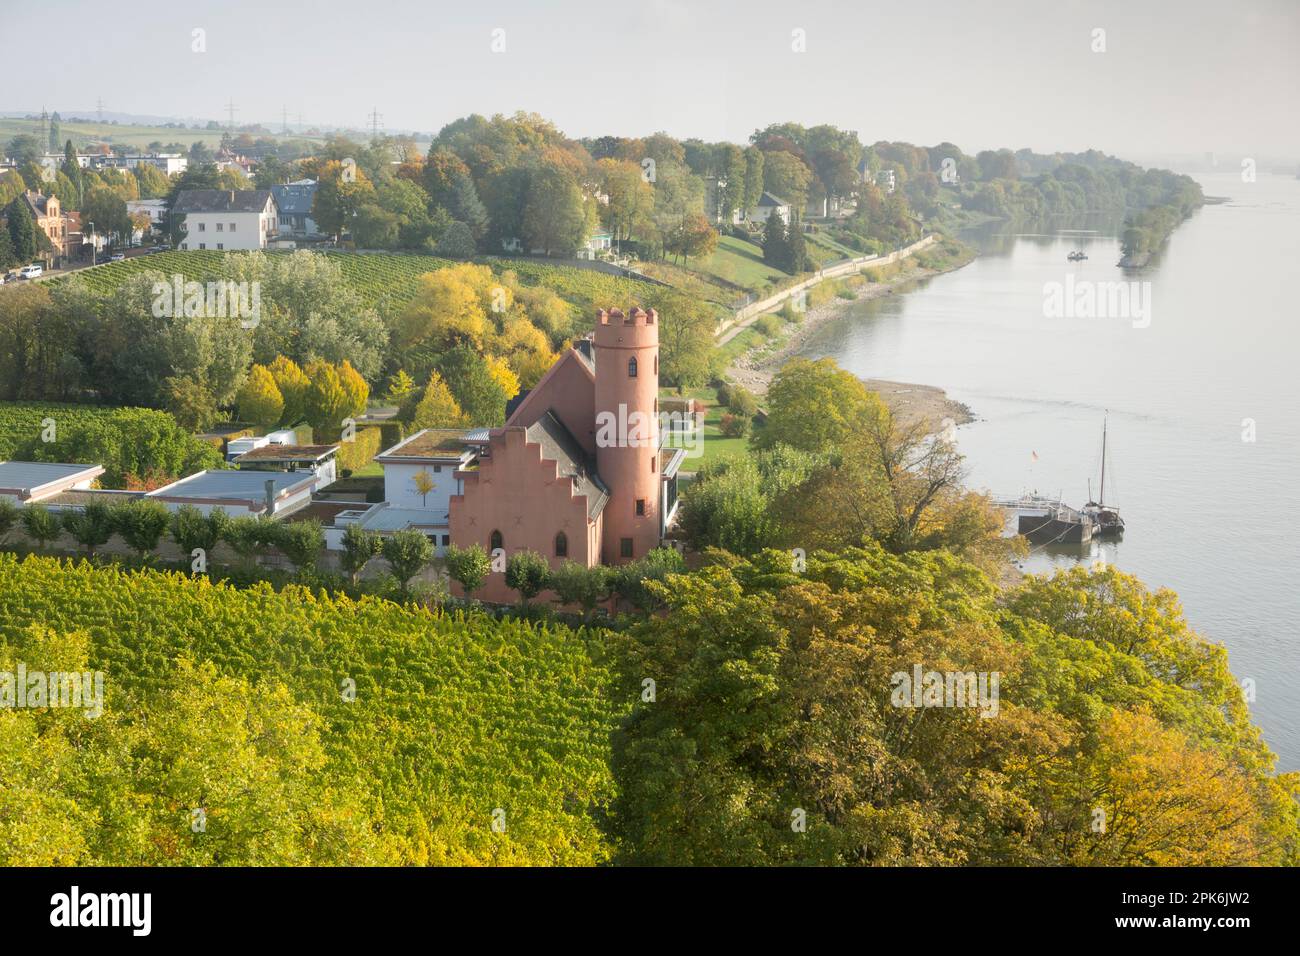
{"points": [[1175, 77]]}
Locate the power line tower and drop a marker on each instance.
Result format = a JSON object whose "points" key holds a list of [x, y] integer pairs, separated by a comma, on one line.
{"points": [[45, 130], [230, 113], [376, 122], [99, 109], [284, 120]]}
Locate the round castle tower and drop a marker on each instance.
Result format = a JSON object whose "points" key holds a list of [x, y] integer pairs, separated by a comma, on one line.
{"points": [[627, 431]]}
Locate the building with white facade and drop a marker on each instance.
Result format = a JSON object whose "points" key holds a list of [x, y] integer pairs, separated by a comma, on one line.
{"points": [[226, 219]]}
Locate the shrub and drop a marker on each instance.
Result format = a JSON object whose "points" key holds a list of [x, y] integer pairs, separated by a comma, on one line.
{"points": [[742, 402], [769, 325], [575, 583], [629, 581], [8, 517], [733, 426]]}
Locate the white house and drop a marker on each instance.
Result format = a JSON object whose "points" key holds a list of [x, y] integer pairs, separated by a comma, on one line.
{"points": [[768, 206], [596, 246], [23, 482], [239, 493], [420, 476], [226, 218], [319, 460], [166, 163]]}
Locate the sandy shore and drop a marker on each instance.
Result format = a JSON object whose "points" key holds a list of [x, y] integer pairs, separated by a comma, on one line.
{"points": [[908, 402]]}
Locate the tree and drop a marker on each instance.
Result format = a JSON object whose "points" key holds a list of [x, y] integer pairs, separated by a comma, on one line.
{"points": [[457, 242], [9, 513], [359, 546], [817, 407], [91, 527], [327, 400], [41, 525], [293, 386], [776, 244], [301, 542], [553, 216], [22, 230], [694, 236], [473, 385], [249, 536], [438, 407], [580, 584], [259, 400], [528, 573], [192, 529], [468, 567], [787, 176], [686, 340], [141, 523], [407, 552], [632, 582]]}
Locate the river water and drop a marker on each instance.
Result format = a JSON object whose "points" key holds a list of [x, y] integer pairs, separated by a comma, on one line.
{"points": [[1210, 499]]}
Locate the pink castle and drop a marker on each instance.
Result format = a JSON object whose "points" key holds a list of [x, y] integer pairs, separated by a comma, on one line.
{"points": [[577, 473]]}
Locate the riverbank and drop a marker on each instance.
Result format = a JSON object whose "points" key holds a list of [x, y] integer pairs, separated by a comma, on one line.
{"points": [[755, 368]]}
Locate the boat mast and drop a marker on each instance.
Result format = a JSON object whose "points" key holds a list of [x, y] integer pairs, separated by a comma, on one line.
{"points": [[1102, 500]]}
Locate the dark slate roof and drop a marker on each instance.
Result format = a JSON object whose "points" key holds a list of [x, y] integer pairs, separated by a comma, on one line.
{"points": [[221, 200], [767, 199], [559, 446], [585, 352], [294, 198]]}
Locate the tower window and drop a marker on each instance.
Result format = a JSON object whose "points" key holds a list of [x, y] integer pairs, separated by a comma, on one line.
{"points": [[640, 507], [656, 364], [625, 547], [561, 545], [496, 541], [652, 466], [631, 367]]}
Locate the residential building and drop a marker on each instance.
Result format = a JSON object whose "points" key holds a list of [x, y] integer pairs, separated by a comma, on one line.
{"points": [[268, 493], [30, 482], [319, 460], [48, 214], [168, 164], [767, 207], [226, 219], [294, 201]]}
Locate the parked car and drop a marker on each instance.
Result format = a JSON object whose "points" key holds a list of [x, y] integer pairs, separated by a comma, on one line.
{"points": [[11, 277], [30, 272], [117, 257]]}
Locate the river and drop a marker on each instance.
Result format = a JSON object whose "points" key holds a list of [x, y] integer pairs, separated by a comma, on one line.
{"points": [[1199, 377]]}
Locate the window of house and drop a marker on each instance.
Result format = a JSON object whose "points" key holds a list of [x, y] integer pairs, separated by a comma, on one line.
{"points": [[496, 541], [221, 245], [446, 540], [203, 227], [185, 245], [656, 364], [561, 545], [631, 367], [640, 507], [203, 245], [652, 465], [625, 547], [218, 227], [232, 227]]}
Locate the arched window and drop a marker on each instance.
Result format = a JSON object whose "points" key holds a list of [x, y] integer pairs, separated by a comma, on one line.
{"points": [[631, 367], [496, 541], [561, 545], [656, 363]]}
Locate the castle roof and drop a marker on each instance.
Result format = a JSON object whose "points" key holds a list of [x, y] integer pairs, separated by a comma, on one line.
{"points": [[559, 446]]}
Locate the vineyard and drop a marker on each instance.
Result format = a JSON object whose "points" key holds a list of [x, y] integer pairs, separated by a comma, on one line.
{"points": [[455, 718], [384, 279], [21, 421]]}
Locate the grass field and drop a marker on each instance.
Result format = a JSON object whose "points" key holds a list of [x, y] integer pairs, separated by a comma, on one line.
{"points": [[715, 445], [82, 134]]}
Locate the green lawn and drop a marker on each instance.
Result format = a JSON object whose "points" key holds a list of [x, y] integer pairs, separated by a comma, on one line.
{"points": [[714, 446]]}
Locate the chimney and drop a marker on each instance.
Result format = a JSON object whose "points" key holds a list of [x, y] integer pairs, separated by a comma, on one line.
{"points": [[232, 196], [270, 497]]}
